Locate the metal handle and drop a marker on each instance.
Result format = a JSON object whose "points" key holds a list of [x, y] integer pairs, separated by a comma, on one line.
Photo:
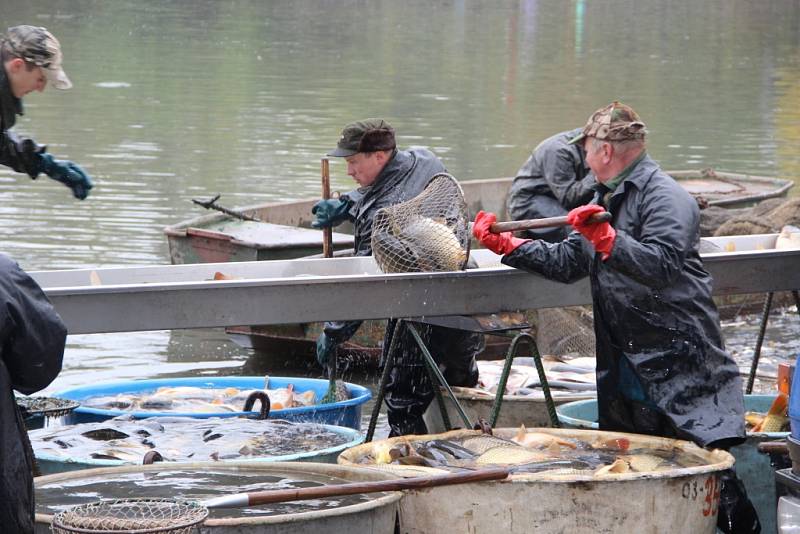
{"points": [[530, 224]]}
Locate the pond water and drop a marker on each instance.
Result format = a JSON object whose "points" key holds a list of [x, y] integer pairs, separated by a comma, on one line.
{"points": [[192, 98]]}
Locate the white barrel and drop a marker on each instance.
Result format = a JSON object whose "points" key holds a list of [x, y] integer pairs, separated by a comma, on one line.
{"points": [[376, 516], [681, 500]]}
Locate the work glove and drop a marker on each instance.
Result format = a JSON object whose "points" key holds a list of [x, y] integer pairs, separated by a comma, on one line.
{"points": [[504, 243], [68, 173], [325, 349], [600, 235], [329, 212]]}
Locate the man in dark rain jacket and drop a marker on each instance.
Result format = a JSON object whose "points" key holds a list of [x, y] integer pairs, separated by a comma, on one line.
{"points": [[386, 177], [553, 180], [30, 58], [661, 365], [32, 336]]}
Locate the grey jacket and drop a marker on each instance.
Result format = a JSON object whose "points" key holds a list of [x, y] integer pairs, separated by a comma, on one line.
{"points": [[556, 170]]}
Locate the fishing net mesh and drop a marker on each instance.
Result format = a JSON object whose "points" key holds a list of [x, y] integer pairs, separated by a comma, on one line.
{"points": [[566, 331], [142, 516], [47, 406], [430, 232]]}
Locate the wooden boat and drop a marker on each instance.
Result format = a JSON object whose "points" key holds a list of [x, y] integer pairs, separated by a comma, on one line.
{"points": [[284, 232]]}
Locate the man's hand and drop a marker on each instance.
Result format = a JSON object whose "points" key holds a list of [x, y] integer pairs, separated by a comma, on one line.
{"points": [[504, 243], [325, 349], [68, 173], [600, 235], [329, 212]]}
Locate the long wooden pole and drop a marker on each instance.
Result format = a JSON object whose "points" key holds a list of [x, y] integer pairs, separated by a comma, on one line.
{"points": [[549, 222], [355, 488], [327, 233]]}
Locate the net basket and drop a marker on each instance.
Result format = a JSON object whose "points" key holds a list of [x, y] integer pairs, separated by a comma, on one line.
{"points": [[428, 233], [45, 406], [131, 516]]}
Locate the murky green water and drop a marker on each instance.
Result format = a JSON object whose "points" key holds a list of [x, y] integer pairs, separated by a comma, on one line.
{"points": [[183, 99]]}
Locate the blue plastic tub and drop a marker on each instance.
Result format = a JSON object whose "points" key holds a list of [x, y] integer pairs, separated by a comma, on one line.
{"points": [[794, 404], [345, 413], [49, 464], [751, 466]]}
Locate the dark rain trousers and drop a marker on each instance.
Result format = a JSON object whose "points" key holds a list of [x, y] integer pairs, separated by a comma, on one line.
{"points": [[408, 392], [410, 389], [33, 337], [553, 180]]}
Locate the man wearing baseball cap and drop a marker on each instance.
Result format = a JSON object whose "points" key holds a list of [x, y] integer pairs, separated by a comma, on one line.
{"points": [[31, 58], [662, 368], [387, 176]]}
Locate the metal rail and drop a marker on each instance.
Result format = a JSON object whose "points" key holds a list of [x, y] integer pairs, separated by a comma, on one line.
{"points": [[297, 291]]}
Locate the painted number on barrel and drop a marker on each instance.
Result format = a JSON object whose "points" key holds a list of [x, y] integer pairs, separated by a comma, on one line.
{"points": [[708, 491]]}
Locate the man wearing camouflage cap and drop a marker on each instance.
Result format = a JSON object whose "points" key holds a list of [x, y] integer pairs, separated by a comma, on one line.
{"points": [[31, 58], [387, 176], [661, 364]]}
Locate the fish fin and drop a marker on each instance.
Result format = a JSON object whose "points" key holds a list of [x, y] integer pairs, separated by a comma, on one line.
{"points": [[520, 434]]}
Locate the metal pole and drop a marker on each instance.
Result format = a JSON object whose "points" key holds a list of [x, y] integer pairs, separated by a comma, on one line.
{"points": [[759, 341], [438, 374], [393, 329]]}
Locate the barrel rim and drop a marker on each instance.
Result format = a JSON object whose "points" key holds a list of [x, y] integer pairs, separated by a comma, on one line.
{"points": [[390, 497], [360, 396], [593, 425], [356, 438], [719, 460]]}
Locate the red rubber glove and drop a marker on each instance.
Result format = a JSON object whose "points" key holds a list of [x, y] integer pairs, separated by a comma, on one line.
{"points": [[600, 235], [504, 243]]}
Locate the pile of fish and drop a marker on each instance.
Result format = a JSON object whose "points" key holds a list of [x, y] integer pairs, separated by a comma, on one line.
{"points": [[188, 399], [565, 378], [182, 439], [530, 452]]}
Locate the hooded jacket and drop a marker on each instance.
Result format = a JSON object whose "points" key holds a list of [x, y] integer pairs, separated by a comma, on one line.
{"points": [[32, 337], [654, 318]]}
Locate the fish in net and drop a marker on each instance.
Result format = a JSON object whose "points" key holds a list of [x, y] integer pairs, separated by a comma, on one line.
{"points": [[429, 232]]}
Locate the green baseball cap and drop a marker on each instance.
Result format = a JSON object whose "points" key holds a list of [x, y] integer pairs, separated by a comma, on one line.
{"points": [[614, 122], [36, 45], [368, 135]]}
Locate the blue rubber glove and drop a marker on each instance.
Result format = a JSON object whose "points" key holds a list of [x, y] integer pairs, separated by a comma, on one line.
{"points": [[329, 212], [68, 173], [325, 349]]}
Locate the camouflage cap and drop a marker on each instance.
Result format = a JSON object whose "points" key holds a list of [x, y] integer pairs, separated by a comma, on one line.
{"points": [[36, 45], [369, 135], [614, 122]]}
